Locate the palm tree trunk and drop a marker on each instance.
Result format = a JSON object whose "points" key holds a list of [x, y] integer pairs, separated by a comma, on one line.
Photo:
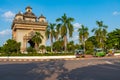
{"points": [[36, 47], [56, 38], [42, 50], [83, 43], [84, 46], [101, 44], [51, 44], [65, 43]]}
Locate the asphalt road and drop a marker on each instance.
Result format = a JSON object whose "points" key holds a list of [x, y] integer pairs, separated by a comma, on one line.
{"points": [[84, 69]]}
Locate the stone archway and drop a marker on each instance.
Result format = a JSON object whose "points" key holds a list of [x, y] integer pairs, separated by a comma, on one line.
{"points": [[27, 39]]}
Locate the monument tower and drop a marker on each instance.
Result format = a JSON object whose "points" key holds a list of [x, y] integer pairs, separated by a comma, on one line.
{"points": [[25, 25]]}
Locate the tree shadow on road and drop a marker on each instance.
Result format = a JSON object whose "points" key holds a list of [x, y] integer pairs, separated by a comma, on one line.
{"points": [[49, 70], [46, 70], [93, 72], [55, 70]]}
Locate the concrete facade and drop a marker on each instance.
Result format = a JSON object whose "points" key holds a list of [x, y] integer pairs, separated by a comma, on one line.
{"points": [[25, 25]]}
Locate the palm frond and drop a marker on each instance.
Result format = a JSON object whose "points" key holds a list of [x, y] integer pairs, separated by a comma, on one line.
{"points": [[59, 19]]}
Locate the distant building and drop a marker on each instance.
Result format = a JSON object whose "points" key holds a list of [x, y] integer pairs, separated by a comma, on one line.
{"points": [[24, 25]]}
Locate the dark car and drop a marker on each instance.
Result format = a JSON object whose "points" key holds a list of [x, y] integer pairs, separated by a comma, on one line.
{"points": [[79, 53]]}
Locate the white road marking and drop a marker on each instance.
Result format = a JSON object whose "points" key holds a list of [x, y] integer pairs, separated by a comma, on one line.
{"points": [[108, 62]]}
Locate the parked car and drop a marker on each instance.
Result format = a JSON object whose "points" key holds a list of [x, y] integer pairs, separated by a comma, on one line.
{"points": [[99, 52], [79, 53]]}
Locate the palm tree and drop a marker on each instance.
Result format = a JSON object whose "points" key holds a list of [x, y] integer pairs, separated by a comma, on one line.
{"points": [[83, 35], [50, 33], [65, 27], [100, 33], [57, 32], [37, 39]]}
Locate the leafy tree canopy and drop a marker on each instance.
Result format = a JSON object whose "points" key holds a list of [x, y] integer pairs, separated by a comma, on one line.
{"points": [[113, 39], [11, 46]]}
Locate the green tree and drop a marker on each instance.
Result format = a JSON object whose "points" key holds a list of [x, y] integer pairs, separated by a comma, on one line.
{"points": [[100, 33], [50, 33], [89, 47], [0, 49], [37, 39], [70, 46], [58, 46], [83, 35], [78, 46], [65, 27], [11, 46], [113, 39], [93, 40]]}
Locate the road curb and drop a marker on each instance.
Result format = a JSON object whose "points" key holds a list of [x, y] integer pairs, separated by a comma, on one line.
{"points": [[36, 59]]}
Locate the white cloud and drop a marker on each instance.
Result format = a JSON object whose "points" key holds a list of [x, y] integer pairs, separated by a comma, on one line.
{"points": [[77, 25], [9, 15], [76, 37], [5, 32], [116, 13]]}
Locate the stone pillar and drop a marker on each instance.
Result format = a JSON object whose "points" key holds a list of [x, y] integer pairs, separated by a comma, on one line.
{"points": [[23, 48]]}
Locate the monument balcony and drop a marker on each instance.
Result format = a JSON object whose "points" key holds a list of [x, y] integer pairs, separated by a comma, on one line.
{"points": [[30, 22]]}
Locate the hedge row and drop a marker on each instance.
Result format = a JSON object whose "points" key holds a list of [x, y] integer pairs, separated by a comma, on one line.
{"points": [[36, 54]]}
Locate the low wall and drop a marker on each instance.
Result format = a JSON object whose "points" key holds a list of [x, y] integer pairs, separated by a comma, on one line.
{"points": [[117, 54]]}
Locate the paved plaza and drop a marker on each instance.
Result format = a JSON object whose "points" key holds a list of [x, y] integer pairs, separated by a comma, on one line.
{"points": [[76, 69]]}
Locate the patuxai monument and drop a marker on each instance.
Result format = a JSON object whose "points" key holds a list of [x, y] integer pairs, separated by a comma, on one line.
{"points": [[25, 25]]}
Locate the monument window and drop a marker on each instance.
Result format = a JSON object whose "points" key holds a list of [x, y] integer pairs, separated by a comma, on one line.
{"points": [[29, 10], [42, 21]]}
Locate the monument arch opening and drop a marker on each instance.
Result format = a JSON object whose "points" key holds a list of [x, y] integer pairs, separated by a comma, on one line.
{"points": [[31, 44]]}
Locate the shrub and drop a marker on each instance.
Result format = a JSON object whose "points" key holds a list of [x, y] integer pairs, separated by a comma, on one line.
{"points": [[89, 52], [31, 50], [36, 54]]}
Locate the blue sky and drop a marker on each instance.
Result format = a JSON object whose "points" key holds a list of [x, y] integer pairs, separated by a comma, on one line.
{"points": [[84, 12]]}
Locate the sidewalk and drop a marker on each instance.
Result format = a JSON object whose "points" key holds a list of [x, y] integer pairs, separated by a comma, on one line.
{"points": [[34, 58], [47, 58]]}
